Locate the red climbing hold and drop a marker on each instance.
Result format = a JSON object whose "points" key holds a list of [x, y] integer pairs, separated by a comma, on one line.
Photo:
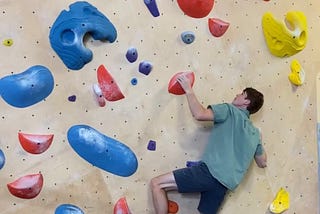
{"points": [[109, 87], [121, 207], [174, 86], [196, 8], [26, 187], [35, 143], [173, 207], [217, 27]]}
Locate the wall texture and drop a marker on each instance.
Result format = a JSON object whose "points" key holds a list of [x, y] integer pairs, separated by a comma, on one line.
{"points": [[223, 67]]}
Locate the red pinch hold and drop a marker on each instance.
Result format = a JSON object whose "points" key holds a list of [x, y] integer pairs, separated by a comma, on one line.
{"points": [[121, 207], [35, 143], [26, 187], [217, 26], [174, 86], [108, 85]]}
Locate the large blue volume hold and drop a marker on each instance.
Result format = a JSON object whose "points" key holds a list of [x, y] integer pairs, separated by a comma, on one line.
{"points": [[67, 32], [27, 88], [102, 151]]}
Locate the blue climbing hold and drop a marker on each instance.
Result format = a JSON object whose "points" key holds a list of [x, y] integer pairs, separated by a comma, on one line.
{"points": [[67, 32], [2, 159], [102, 151], [68, 209], [134, 81], [187, 37], [145, 67], [27, 88], [152, 7], [132, 54]]}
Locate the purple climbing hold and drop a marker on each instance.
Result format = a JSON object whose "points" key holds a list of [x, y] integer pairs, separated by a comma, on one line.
{"points": [[2, 159], [72, 98], [192, 163], [132, 54], [145, 67], [152, 145], [152, 6]]}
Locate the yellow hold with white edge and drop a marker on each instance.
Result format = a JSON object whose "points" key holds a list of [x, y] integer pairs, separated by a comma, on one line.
{"points": [[281, 202], [285, 38], [297, 74]]}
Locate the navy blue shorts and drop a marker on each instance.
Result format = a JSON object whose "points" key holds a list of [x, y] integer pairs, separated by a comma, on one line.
{"points": [[199, 179]]}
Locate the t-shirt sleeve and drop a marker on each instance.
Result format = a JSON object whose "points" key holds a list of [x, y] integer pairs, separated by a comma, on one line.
{"points": [[220, 112], [259, 150]]}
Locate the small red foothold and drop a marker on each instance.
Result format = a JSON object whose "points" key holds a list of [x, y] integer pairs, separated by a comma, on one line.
{"points": [[99, 96], [217, 26], [26, 187], [173, 207], [35, 143]]}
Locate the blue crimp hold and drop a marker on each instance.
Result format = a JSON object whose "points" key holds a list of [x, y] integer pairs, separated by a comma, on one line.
{"points": [[132, 54], [27, 88], [67, 32], [152, 6], [145, 67], [187, 37], [2, 159], [68, 209], [134, 81]]}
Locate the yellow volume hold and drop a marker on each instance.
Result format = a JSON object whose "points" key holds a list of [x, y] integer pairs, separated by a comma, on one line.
{"points": [[285, 38]]}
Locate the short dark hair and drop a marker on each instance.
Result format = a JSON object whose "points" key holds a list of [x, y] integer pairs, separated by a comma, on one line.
{"points": [[256, 100]]}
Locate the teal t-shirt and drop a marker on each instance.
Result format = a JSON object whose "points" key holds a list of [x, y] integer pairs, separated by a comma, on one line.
{"points": [[233, 143]]}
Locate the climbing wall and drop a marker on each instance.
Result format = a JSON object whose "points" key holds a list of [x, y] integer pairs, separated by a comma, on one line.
{"points": [[223, 66]]}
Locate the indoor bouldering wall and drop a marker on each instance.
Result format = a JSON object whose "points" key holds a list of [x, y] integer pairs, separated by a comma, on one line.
{"points": [[145, 129]]}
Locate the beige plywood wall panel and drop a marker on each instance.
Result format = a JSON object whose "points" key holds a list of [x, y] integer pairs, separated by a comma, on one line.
{"points": [[223, 67]]}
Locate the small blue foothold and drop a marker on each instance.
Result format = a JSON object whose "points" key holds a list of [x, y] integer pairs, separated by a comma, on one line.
{"points": [[145, 67], [134, 81], [152, 6], [187, 37], [68, 209], [132, 54], [72, 98], [192, 163], [2, 159], [152, 145]]}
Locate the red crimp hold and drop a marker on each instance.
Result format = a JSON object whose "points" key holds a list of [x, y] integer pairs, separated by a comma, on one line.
{"points": [[99, 96]]}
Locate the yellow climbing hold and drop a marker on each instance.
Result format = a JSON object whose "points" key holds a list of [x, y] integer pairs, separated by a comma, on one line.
{"points": [[288, 38], [297, 74], [7, 42], [281, 202]]}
